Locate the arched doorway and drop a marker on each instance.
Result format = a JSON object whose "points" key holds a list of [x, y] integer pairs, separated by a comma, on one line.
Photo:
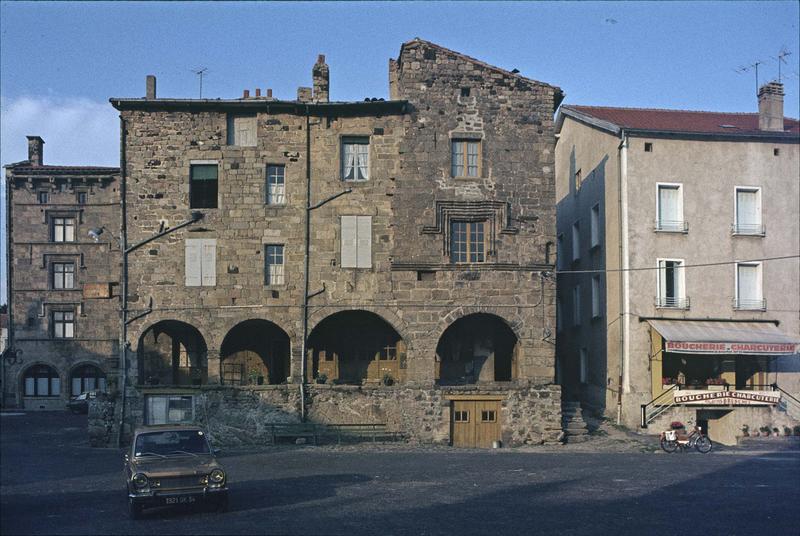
{"points": [[354, 347], [476, 348], [86, 378], [172, 353], [255, 352]]}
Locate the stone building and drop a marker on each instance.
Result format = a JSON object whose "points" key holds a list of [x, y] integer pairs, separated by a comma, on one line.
{"points": [[660, 192], [410, 242], [63, 312]]}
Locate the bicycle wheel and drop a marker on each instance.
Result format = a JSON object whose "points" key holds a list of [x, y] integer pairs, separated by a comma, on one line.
{"points": [[703, 444], [669, 446]]}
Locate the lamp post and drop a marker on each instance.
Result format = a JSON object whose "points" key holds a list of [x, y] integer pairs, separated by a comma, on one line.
{"points": [[123, 330]]}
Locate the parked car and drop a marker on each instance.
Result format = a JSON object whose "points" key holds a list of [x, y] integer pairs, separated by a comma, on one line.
{"points": [[173, 465], [80, 403]]}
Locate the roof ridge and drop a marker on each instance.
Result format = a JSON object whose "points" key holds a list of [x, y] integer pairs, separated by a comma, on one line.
{"points": [[634, 108]]}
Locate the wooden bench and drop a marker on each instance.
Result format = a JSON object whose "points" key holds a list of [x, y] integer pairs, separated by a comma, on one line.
{"points": [[293, 430], [373, 431]]}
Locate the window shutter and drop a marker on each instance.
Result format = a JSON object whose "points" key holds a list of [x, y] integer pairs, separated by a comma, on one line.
{"points": [[364, 245], [748, 209], [748, 282], [349, 242], [192, 262], [670, 204], [209, 263]]}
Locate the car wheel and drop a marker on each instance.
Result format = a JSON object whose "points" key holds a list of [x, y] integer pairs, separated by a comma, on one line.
{"points": [[134, 509]]}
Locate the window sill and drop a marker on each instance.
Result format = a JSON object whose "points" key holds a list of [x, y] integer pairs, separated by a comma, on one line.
{"points": [[753, 235], [466, 177], [671, 231]]}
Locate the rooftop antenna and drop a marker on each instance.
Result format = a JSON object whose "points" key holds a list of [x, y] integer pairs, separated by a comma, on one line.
{"points": [[782, 59], [752, 67], [200, 73]]}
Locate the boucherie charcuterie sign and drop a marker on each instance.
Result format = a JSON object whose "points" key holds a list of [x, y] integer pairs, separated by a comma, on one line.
{"points": [[760, 348], [728, 398]]}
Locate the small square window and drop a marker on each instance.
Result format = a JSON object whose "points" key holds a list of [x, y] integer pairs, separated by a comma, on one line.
{"points": [[776, 152], [648, 147], [461, 416], [488, 416], [43, 197], [465, 92], [468, 241], [242, 130]]}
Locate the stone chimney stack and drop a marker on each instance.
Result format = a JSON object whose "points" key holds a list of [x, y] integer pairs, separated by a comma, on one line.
{"points": [[35, 150], [770, 107], [322, 83], [304, 94], [151, 87]]}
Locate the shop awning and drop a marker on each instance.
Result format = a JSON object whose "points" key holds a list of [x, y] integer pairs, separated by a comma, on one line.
{"points": [[715, 337]]}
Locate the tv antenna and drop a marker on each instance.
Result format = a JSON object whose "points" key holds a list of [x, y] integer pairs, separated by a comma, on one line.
{"points": [[752, 67], [781, 58], [200, 72]]}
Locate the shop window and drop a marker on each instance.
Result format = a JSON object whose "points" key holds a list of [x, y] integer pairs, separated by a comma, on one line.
{"points": [[356, 242], [355, 159], [63, 324], [465, 158], [63, 229], [201, 262], [41, 381], [669, 208], [203, 185], [169, 409], [748, 212], [87, 378], [63, 275], [467, 241], [671, 284], [273, 267], [276, 185], [242, 130]]}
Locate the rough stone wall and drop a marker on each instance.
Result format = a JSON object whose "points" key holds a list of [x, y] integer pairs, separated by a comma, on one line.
{"points": [[32, 253]]}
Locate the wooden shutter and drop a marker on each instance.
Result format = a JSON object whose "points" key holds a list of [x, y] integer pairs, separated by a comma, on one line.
{"points": [[364, 242], [192, 263], [209, 262], [349, 242]]}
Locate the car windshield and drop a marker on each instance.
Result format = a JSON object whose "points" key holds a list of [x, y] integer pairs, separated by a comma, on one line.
{"points": [[176, 443]]}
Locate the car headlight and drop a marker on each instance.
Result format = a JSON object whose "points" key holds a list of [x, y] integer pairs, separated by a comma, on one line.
{"points": [[217, 476], [140, 480]]}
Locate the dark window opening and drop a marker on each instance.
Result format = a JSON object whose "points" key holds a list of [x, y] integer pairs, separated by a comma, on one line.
{"points": [[426, 275], [82, 197], [648, 147], [43, 197], [465, 92], [776, 151], [203, 186]]}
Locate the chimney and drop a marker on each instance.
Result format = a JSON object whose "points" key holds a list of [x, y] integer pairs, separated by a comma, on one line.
{"points": [[304, 94], [35, 150], [258, 92], [269, 93], [246, 94], [321, 75], [770, 107], [151, 87]]}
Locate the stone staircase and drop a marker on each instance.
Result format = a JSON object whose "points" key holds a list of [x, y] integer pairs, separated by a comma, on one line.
{"points": [[575, 430]]}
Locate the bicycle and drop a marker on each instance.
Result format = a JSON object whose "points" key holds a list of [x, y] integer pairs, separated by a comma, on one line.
{"points": [[672, 440]]}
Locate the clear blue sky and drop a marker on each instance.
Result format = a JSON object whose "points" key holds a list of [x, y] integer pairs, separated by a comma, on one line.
{"points": [[60, 62]]}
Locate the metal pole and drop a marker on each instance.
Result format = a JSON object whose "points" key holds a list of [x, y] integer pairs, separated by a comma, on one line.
{"points": [[123, 244]]}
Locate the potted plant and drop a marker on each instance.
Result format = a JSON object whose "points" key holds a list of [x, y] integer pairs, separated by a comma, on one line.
{"points": [[387, 379], [745, 431], [765, 431], [321, 378]]}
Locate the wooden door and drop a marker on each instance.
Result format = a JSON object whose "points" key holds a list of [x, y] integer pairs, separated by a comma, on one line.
{"points": [[475, 423]]}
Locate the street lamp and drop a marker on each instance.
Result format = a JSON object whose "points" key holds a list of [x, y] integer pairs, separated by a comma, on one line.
{"points": [[94, 234]]}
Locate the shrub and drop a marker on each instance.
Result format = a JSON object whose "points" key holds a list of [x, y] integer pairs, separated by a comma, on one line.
{"points": [[765, 430], [321, 378], [796, 429]]}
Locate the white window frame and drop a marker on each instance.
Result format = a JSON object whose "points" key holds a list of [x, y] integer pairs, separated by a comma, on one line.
{"points": [[206, 262], [148, 417], [274, 273], [595, 225], [753, 232], [65, 236], [576, 240], [362, 245], [583, 365], [680, 226], [360, 173], [276, 196], [681, 300], [596, 296], [576, 305], [761, 305]]}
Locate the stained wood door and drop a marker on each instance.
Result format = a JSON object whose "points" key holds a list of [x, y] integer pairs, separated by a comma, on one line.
{"points": [[475, 423]]}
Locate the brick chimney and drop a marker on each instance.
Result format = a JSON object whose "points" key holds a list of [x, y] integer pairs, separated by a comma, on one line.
{"points": [[35, 150], [321, 75], [151, 87], [304, 94], [770, 107]]}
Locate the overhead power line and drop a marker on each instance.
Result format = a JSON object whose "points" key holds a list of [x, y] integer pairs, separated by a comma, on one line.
{"points": [[699, 265]]}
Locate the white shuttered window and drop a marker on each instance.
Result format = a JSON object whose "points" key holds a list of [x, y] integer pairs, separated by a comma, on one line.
{"points": [[201, 262], [356, 241]]}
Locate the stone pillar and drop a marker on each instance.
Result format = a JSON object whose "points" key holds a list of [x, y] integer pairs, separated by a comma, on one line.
{"points": [[150, 91], [35, 150], [214, 367], [321, 76]]}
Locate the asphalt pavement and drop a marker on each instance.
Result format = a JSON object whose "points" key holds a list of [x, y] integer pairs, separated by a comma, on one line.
{"points": [[52, 482]]}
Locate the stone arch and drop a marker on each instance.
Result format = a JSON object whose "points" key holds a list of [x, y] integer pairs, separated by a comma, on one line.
{"points": [[31, 371], [172, 352], [317, 316], [255, 351], [356, 346], [477, 347], [86, 381]]}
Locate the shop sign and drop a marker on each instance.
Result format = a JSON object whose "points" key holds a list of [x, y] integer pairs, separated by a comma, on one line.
{"points": [[760, 348], [728, 398]]}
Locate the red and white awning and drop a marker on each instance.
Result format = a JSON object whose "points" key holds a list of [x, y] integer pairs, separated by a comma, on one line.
{"points": [[716, 337]]}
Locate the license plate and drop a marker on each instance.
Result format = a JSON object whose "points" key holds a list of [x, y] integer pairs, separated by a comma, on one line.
{"points": [[179, 500]]}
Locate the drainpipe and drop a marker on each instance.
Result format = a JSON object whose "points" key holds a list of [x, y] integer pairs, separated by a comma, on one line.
{"points": [[9, 350], [123, 244], [622, 200], [306, 261]]}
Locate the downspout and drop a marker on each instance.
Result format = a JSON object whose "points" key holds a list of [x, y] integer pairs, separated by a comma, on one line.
{"points": [[123, 238], [622, 199], [306, 271], [9, 267]]}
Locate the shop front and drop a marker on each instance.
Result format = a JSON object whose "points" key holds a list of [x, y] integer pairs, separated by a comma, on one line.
{"points": [[714, 367]]}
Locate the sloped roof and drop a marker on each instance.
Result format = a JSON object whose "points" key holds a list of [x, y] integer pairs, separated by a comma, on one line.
{"points": [[681, 121], [26, 168]]}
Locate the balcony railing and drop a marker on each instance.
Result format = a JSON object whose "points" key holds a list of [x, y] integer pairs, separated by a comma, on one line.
{"points": [[668, 302], [749, 229], [672, 226], [749, 305]]}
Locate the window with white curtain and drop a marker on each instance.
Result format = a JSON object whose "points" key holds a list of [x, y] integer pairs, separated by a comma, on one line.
{"points": [[273, 269], [748, 211], [671, 284], [276, 185], [749, 287], [669, 208], [465, 158], [355, 159]]}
